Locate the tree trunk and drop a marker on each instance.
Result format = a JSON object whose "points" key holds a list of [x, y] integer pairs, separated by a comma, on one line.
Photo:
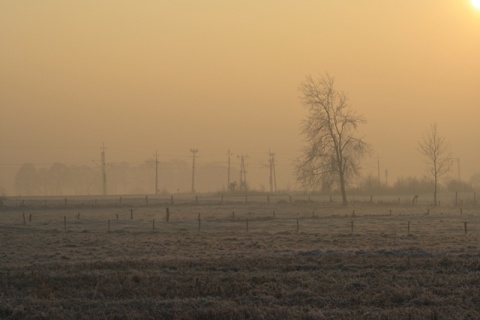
{"points": [[342, 189]]}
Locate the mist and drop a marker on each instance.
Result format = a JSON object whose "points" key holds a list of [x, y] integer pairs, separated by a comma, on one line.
{"points": [[172, 76]]}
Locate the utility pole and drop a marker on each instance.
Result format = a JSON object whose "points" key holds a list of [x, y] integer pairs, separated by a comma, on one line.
{"points": [[193, 151], [243, 173], [104, 170], [378, 168], [228, 172], [156, 171], [273, 177], [458, 168]]}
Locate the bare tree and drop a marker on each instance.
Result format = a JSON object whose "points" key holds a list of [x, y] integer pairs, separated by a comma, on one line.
{"points": [[333, 150], [437, 153]]}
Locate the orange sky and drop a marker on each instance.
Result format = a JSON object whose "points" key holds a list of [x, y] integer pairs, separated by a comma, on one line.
{"points": [[172, 75]]}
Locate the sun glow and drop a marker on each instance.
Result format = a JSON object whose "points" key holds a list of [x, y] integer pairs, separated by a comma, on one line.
{"points": [[476, 4]]}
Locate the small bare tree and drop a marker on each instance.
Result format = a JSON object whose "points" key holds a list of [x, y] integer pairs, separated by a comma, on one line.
{"points": [[333, 151], [437, 153]]}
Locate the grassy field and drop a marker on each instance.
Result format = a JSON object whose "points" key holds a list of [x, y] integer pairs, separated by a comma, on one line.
{"points": [[236, 260]]}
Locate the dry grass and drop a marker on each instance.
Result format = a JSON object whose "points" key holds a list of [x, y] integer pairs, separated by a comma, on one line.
{"points": [[272, 272]]}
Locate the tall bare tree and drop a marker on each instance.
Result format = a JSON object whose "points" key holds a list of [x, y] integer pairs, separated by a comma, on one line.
{"points": [[438, 155], [333, 150]]}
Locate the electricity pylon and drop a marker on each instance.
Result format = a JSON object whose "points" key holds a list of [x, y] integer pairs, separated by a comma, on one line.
{"points": [[243, 173]]}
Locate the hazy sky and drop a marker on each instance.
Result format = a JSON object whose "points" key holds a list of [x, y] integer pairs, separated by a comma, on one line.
{"points": [[216, 74]]}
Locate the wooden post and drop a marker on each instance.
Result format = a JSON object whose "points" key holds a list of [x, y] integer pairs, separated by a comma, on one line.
{"points": [[353, 213], [24, 222], [290, 197], [233, 215], [371, 198], [352, 227], [465, 225], [297, 225], [408, 228], [116, 214], [65, 223], [78, 216], [390, 211], [247, 226], [131, 214], [196, 199], [167, 218], [461, 210]]}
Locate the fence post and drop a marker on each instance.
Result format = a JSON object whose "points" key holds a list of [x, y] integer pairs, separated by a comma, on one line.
{"points": [[167, 218], [131, 214], [24, 222], [352, 227], [465, 226], [246, 227]]}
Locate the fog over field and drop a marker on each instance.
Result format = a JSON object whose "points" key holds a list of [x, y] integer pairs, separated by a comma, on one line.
{"points": [[176, 75]]}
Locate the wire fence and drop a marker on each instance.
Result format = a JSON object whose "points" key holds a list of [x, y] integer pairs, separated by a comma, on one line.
{"points": [[457, 199], [235, 216]]}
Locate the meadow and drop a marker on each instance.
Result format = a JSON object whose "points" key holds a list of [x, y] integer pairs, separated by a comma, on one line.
{"points": [[237, 258]]}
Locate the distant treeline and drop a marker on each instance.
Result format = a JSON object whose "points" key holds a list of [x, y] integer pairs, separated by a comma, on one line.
{"points": [[122, 178]]}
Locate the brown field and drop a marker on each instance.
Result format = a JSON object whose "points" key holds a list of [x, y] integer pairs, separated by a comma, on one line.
{"points": [[299, 260]]}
